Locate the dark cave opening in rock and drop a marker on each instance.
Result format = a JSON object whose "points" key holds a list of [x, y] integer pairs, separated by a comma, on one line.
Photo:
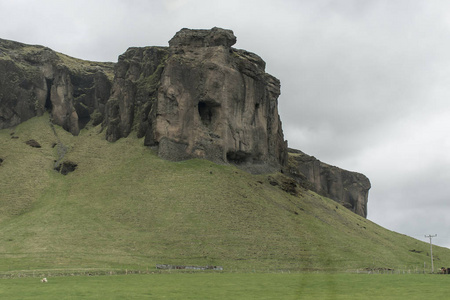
{"points": [[207, 112], [82, 122], [238, 157], [352, 202], [349, 205], [83, 115], [48, 101]]}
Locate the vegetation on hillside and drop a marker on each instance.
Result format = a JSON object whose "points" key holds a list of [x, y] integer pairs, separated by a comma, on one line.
{"points": [[123, 207]]}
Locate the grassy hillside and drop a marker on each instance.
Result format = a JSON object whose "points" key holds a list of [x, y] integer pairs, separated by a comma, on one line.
{"points": [[123, 207]]}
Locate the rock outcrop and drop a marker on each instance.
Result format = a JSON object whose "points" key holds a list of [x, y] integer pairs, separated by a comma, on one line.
{"points": [[199, 98], [132, 105], [35, 79], [350, 189]]}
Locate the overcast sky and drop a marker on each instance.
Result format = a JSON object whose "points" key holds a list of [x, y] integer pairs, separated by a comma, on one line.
{"points": [[365, 83]]}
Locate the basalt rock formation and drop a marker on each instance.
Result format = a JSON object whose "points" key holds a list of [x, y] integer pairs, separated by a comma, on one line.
{"points": [[197, 98], [35, 79], [350, 189]]}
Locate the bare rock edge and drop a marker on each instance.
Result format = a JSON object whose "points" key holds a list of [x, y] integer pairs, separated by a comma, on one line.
{"points": [[197, 98]]}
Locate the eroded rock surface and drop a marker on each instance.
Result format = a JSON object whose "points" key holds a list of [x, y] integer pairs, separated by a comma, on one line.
{"points": [[35, 79], [199, 98], [132, 105], [33, 143], [351, 189], [66, 167]]}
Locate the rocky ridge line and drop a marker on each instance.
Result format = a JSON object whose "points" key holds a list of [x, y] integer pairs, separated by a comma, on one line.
{"points": [[35, 79], [199, 97]]}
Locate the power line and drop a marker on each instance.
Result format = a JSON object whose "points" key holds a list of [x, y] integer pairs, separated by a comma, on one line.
{"points": [[431, 250]]}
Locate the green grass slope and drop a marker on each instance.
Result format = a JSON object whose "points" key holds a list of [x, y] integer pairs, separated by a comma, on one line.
{"points": [[124, 207]]}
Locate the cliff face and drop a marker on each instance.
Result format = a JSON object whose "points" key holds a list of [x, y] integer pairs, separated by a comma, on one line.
{"points": [[199, 98], [350, 189], [132, 105], [34, 79]]}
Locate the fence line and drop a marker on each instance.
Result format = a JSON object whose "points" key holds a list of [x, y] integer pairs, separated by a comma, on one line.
{"points": [[111, 272], [391, 271], [61, 273]]}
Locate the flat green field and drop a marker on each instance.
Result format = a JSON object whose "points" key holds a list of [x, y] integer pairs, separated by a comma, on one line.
{"points": [[230, 286]]}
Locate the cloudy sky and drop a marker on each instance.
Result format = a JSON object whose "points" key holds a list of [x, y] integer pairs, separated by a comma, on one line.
{"points": [[365, 83]]}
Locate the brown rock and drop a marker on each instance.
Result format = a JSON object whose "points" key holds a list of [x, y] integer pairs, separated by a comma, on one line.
{"points": [[133, 99], [33, 143], [66, 167], [350, 189], [203, 38], [199, 98], [35, 79]]}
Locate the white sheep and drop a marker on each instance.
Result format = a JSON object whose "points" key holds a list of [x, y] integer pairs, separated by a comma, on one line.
{"points": [[44, 280]]}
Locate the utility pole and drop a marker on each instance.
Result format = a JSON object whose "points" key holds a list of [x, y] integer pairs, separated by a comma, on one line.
{"points": [[431, 250]]}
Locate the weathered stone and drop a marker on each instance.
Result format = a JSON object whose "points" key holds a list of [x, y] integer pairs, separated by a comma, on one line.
{"points": [[285, 183], [210, 90], [66, 167], [133, 98], [33, 143], [199, 98], [35, 79], [350, 189], [203, 38]]}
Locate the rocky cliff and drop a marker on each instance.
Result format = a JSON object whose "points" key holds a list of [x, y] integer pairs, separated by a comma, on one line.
{"points": [[350, 189], [197, 98], [34, 79]]}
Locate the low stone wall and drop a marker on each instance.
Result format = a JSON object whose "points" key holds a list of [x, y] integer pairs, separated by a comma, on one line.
{"points": [[174, 267]]}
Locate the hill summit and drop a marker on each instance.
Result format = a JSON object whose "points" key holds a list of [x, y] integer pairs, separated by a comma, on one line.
{"points": [[197, 98]]}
